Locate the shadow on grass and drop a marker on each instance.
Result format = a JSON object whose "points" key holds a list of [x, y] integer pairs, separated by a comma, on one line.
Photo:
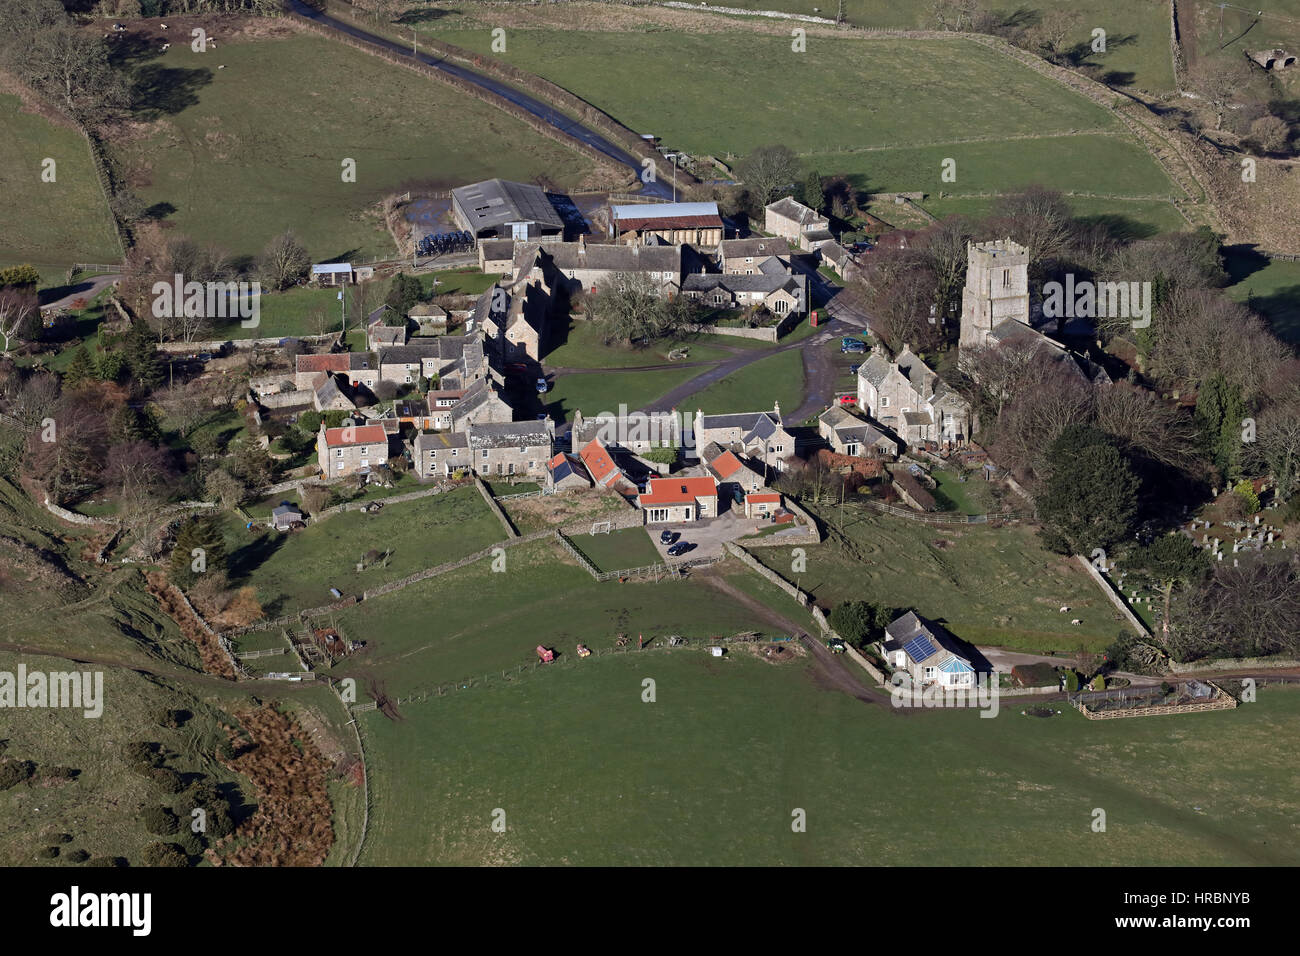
{"points": [[246, 559], [157, 91]]}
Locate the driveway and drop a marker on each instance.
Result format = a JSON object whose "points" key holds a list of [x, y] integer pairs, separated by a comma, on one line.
{"points": [[84, 289], [708, 535]]}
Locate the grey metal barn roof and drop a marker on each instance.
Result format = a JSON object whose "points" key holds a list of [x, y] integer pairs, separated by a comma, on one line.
{"points": [[495, 202]]}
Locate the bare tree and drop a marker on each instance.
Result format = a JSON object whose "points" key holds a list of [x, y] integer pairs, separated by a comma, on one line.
{"points": [[768, 169], [1156, 429], [18, 317], [283, 262]]}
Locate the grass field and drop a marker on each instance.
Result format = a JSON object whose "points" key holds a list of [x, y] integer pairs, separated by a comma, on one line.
{"points": [[296, 571], [992, 586], [846, 94], [619, 550], [597, 392], [582, 348], [238, 167], [1125, 218], [711, 772], [1270, 288], [476, 621], [777, 378], [50, 223]]}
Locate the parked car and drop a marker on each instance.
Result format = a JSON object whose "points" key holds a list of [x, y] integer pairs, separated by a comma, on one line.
{"points": [[852, 345], [542, 386], [668, 537], [680, 548], [848, 399], [516, 367], [853, 369]]}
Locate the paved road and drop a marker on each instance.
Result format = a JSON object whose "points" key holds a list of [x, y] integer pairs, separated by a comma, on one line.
{"points": [[534, 106], [85, 289]]}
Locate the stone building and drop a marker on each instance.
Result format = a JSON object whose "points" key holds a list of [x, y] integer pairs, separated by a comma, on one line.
{"points": [[760, 435], [511, 448], [912, 401], [696, 223], [996, 290], [802, 225], [350, 450]]}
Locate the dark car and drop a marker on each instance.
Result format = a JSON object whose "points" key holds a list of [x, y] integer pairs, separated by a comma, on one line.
{"points": [[680, 548], [668, 537]]}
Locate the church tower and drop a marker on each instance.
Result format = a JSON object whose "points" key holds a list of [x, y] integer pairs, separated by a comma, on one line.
{"points": [[997, 289]]}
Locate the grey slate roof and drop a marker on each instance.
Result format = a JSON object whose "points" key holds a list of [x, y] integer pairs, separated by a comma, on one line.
{"points": [[509, 434], [606, 257], [759, 246], [875, 369], [747, 420], [758, 282], [495, 202], [431, 441], [790, 208], [903, 629]]}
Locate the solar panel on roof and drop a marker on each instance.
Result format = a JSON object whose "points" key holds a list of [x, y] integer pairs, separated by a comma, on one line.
{"points": [[919, 648]]}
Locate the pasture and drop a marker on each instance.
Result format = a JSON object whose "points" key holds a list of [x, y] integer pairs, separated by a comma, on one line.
{"points": [[295, 571], [50, 224], [991, 586], [224, 163], [712, 772], [1004, 125], [476, 621]]}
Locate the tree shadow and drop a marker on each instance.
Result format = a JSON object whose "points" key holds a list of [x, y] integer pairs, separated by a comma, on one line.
{"points": [[158, 211], [244, 560], [1120, 227], [127, 50], [1243, 260], [158, 91], [424, 15]]}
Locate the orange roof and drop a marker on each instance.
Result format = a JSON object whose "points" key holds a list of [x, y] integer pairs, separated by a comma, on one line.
{"points": [[678, 491], [336, 362], [598, 461], [726, 465], [360, 435], [758, 498], [555, 462]]}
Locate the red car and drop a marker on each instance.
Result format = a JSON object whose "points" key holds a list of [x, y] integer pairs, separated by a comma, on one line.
{"points": [[848, 399]]}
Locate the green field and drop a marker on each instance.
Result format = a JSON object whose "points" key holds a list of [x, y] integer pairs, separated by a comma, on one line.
{"points": [[50, 223], [1126, 219], [1270, 288], [777, 378], [583, 348], [475, 621], [239, 166], [596, 392], [618, 550], [992, 586], [295, 571], [846, 94], [712, 771]]}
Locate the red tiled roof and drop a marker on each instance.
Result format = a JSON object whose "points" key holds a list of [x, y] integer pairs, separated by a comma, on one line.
{"points": [[726, 465], [678, 491], [759, 498], [360, 435], [598, 461], [336, 362], [670, 222], [555, 462]]}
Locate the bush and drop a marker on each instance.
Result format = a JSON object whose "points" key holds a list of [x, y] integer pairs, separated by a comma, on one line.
{"points": [[164, 854], [1035, 675], [109, 861], [47, 853], [14, 772], [160, 821], [77, 856], [661, 456], [168, 780], [859, 622], [1071, 681], [1245, 493], [1099, 683]]}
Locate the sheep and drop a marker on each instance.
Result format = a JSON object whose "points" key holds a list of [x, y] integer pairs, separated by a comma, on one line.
{"points": [[221, 67], [1076, 622], [166, 46], [1064, 608]]}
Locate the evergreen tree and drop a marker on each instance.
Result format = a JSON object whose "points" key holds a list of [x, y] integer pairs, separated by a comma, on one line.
{"points": [[1219, 413], [814, 196], [200, 533], [142, 357], [1090, 498], [405, 292], [80, 370]]}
